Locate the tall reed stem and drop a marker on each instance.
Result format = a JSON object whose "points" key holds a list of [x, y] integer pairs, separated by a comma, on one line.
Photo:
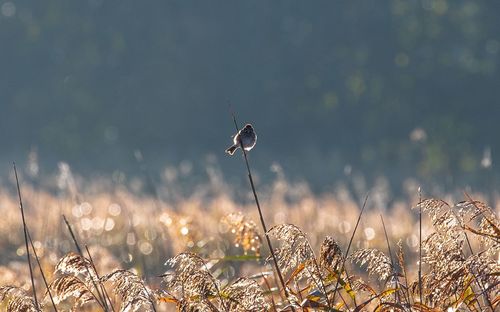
{"points": [[395, 275], [420, 246], [102, 299], [263, 223], [41, 272], [25, 228], [342, 268]]}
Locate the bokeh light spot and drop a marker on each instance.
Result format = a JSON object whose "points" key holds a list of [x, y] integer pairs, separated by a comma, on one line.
{"points": [[8, 9], [146, 248], [114, 210], [369, 233], [184, 230]]}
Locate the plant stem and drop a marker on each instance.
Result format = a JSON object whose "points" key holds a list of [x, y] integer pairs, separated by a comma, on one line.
{"points": [[101, 300], [420, 246], [480, 284], [263, 223], [395, 275], [342, 268], [103, 289], [322, 284], [41, 272], [25, 228]]}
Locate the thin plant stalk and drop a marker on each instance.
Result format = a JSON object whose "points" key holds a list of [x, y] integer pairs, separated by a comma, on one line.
{"points": [[396, 294], [334, 271], [348, 279], [101, 300], [420, 246], [270, 291], [408, 293], [25, 228], [263, 223], [103, 289], [342, 268], [72, 235], [219, 293], [480, 284], [41, 272], [322, 284], [299, 292]]}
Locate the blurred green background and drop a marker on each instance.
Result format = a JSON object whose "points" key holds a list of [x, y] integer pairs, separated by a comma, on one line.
{"points": [[379, 88]]}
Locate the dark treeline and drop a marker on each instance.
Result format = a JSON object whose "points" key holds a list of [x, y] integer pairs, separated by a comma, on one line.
{"points": [[394, 88]]}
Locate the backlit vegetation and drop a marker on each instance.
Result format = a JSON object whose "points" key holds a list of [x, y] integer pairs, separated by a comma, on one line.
{"points": [[207, 252]]}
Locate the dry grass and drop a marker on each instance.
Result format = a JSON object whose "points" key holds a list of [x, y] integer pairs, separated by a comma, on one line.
{"points": [[204, 252]]}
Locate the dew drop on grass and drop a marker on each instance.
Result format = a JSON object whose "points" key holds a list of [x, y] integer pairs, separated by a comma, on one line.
{"points": [[127, 258], [184, 230], [369, 233], [20, 251], [86, 208], [166, 219], [86, 224], [146, 248], [114, 210], [109, 225]]}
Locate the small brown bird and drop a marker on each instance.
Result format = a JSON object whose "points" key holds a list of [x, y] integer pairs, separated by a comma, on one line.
{"points": [[248, 138]]}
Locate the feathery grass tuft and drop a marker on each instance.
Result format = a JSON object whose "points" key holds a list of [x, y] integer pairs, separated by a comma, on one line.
{"points": [[377, 262], [245, 231], [244, 295], [134, 294], [67, 287], [15, 299]]}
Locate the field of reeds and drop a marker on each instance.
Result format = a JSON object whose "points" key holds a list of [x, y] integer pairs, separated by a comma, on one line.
{"points": [[107, 245]]}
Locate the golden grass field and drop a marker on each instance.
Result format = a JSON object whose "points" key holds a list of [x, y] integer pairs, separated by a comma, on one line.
{"points": [[207, 252]]}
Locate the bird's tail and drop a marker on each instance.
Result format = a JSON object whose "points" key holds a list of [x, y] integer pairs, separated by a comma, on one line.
{"points": [[232, 149]]}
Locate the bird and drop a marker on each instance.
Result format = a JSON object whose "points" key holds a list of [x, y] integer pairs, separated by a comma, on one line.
{"points": [[248, 138]]}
